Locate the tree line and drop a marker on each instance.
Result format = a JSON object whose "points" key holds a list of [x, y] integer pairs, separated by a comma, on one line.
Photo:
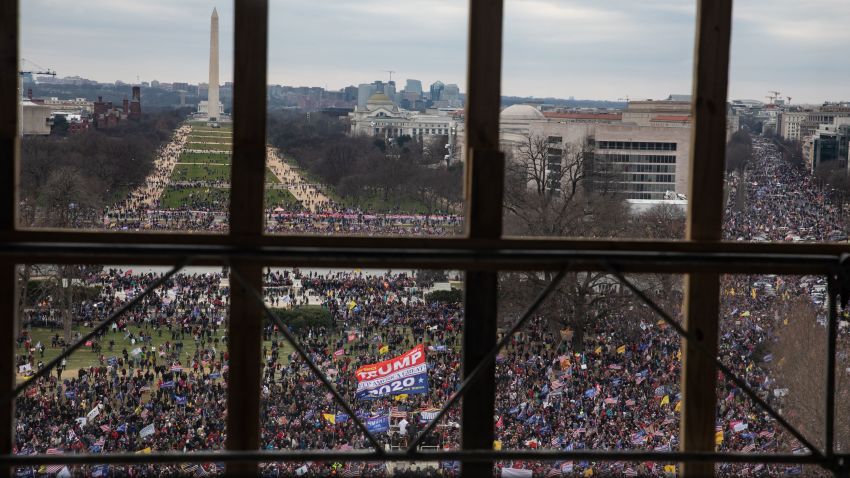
{"points": [[66, 181], [396, 175]]}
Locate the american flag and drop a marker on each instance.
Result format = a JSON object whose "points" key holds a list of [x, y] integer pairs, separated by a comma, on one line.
{"points": [[350, 472], [767, 434], [105, 428], [396, 413], [176, 368], [630, 472], [54, 468], [664, 447], [553, 473], [749, 448]]}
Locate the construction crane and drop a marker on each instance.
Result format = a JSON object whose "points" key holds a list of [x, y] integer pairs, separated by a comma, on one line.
{"points": [[390, 72], [773, 97], [789, 99], [40, 69]]}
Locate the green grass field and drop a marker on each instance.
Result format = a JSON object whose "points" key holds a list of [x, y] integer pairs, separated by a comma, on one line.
{"points": [[209, 147], [202, 126], [174, 198], [84, 357], [281, 198], [209, 139], [200, 172], [211, 158]]}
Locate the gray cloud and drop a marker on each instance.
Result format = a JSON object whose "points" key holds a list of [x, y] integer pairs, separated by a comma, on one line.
{"points": [[584, 48]]}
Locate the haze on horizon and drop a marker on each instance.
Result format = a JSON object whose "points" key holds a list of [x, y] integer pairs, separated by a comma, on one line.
{"points": [[586, 49]]}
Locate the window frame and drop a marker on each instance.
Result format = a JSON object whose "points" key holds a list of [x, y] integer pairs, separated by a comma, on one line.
{"points": [[481, 252]]}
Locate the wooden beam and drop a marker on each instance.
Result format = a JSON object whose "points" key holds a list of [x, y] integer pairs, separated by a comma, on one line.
{"points": [[246, 222], [484, 183], [9, 144], [705, 216], [248, 167], [8, 333], [9, 111]]}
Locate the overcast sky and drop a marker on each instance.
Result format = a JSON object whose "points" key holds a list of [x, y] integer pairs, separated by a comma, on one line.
{"points": [[589, 49]]}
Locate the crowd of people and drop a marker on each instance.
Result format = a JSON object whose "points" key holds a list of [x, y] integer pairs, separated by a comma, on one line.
{"points": [[158, 381]]}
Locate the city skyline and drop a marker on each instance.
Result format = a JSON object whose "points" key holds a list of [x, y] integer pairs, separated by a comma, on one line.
{"points": [[630, 51]]}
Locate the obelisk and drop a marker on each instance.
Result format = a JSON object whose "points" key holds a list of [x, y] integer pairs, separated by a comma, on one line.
{"points": [[212, 92]]}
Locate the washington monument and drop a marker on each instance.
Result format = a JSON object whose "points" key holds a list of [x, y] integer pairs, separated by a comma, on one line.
{"points": [[212, 95]]}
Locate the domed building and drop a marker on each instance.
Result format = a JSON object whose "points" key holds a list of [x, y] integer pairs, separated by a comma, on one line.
{"points": [[516, 121], [384, 119], [521, 112], [381, 101]]}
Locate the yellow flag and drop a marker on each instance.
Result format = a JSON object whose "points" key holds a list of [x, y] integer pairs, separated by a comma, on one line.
{"points": [[598, 350], [669, 468], [144, 451], [384, 349], [621, 349], [330, 417], [497, 445], [351, 304], [678, 406], [400, 397], [718, 438], [753, 292], [732, 291], [588, 472], [665, 400]]}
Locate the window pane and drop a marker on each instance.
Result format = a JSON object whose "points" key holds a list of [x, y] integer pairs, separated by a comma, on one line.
{"points": [[117, 132], [611, 82], [762, 321], [594, 368], [787, 163], [407, 322], [366, 118], [153, 381]]}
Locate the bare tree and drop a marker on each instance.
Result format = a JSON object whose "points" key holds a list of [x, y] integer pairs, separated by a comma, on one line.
{"points": [[550, 191], [799, 363]]}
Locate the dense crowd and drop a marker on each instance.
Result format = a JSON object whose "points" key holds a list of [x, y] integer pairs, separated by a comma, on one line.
{"points": [[159, 380]]}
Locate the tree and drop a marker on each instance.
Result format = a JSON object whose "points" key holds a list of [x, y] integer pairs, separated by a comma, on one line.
{"points": [[739, 151], [552, 191], [60, 126], [795, 360]]}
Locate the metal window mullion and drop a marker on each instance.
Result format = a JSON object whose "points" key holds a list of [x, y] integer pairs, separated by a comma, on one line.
{"points": [[705, 214], [484, 183], [246, 224]]}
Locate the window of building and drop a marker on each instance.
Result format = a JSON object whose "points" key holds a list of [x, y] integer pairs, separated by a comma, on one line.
{"points": [[481, 307]]}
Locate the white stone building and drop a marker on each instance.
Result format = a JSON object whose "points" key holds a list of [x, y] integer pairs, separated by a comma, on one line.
{"points": [[384, 119], [646, 161]]}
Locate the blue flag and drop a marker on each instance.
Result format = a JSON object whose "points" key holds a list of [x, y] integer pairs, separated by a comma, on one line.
{"points": [[378, 424]]}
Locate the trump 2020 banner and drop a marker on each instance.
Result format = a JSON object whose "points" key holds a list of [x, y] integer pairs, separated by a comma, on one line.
{"points": [[407, 373]]}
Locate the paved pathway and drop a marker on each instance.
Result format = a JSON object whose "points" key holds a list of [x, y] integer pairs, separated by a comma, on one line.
{"points": [[306, 193], [148, 193]]}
